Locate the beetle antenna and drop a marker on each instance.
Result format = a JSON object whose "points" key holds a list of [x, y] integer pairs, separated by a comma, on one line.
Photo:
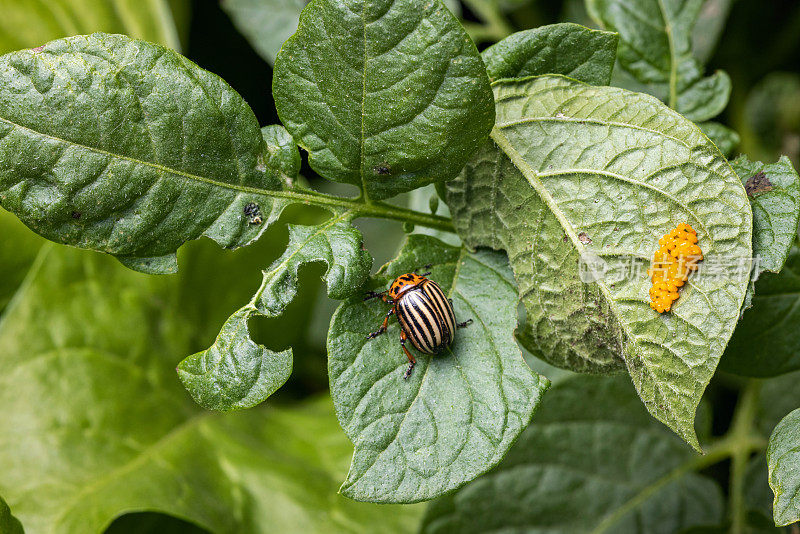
{"points": [[373, 295], [428, 266]]}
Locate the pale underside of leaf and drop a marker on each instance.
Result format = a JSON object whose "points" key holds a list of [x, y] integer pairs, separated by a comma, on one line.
{"points": [[459, 412], [605, 172]]}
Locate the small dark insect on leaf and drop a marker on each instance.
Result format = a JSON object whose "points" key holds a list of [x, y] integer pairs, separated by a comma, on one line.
{"points": [[76, 215], [757, 184], [253, 211], [584, 238], [382, 169]]}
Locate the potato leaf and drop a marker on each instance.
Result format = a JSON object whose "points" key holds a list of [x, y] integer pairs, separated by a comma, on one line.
{"points": [[586, 465], [128, 148], [765, 342], [774, 192], [459, 412], [783, 460], [388, 95], [656, 49], [236, 372], [570, 49], [571, 184]]}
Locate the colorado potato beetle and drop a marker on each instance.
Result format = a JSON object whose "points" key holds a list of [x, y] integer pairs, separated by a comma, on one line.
{"points": [[424, 312], [676, 257]]}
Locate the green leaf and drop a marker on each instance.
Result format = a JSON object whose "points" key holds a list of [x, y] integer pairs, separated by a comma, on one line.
{"points": [[458, 413], [569, 49], [776, 398], [604, 182], [31, 24], [586, 464], [774, 192], [265, 23], [766, 341], [656, 49], [8, 523], [281, 153], [91, 342], [783, 461], [236, 372], [764, 344], [175, 154], [388, 95], [725, 138]]}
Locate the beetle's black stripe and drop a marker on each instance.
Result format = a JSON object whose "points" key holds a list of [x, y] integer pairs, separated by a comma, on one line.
{"points": [[424, 321], [410, 323], [437, 318], [419, 319], [444, 308], [432, 321]]}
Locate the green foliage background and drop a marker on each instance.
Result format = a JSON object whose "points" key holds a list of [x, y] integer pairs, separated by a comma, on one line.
{"points": [[96, 344]]}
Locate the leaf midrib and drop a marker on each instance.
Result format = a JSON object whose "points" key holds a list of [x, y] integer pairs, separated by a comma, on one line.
{"points": [[156, 166]]}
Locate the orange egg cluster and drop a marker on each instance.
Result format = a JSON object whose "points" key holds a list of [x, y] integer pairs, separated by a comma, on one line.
{"points": [[676, 257]]}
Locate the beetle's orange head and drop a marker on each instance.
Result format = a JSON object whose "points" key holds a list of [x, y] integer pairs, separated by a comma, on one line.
{"points": [[403, 283]]}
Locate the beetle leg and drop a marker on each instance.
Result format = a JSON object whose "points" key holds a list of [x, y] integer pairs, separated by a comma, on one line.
{"points": [[383, 327], [464, 324], [411, 360]]}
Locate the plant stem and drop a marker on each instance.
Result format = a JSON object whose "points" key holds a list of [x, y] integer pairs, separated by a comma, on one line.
{"points": [[743, 443], [380, 210]]}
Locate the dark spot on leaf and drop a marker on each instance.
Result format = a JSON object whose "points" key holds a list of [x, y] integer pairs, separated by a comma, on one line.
{"points": [[757, 184], [383, 169], [584, 238], [76, 215], [565, 238]]}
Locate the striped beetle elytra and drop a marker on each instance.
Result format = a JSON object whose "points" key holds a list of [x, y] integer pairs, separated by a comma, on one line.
{"points": [[424, 312]]}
